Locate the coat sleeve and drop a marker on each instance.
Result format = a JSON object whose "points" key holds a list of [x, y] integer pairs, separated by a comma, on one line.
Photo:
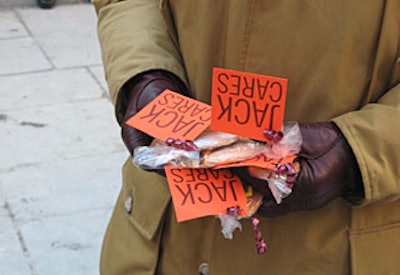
{"points": [[374, 135], [134, 38], [373, 131]]}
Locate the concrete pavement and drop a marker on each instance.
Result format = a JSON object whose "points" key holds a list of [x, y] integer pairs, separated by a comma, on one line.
{"points": [[60, 149], [10, 4]]}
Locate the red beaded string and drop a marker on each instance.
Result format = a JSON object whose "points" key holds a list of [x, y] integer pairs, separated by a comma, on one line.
{"points": [[260, 243], [286, 169], [272, 135], [186, 145]]}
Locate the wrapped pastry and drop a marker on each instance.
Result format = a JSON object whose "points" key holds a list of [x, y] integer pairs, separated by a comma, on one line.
{"points": [[210, 140], [216, 148], [159, 154], [239, 151], [156, 157], [197, 154]]}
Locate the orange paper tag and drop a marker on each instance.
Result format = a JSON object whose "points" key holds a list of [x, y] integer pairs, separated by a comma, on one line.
{"points": [[260, 161], [172, 115], [203, 192], [245, 104]]}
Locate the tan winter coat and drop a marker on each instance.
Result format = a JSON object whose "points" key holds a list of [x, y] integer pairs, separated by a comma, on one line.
{"points": [[342, 62]]}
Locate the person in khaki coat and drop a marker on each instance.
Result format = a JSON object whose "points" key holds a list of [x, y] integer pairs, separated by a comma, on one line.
{"points": [[342, 62]]}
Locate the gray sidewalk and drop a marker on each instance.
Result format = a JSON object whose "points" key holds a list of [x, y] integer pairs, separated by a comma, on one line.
{"points": [[60, 149], [10, 4]]}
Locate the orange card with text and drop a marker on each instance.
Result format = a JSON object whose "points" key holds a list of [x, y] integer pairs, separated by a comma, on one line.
{"points": [[260, 161], [172, 115], [204, 192], [245, 104]]}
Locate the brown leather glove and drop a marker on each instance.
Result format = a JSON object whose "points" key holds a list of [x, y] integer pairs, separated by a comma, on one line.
{"points": [[142, 89], [328, 170]]}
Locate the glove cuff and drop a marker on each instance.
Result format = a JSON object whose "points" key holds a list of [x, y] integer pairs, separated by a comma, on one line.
{"points": [[143, 88]]}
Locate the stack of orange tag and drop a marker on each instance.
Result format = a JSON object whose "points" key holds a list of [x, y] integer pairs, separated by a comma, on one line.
{"points": [[242, 104]]}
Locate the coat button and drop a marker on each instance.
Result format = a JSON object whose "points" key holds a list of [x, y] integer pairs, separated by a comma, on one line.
{"points": [[128, 204], [204, 269]]}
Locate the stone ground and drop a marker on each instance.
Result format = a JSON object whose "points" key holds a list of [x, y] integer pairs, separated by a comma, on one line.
{"points": [[60, 149]]}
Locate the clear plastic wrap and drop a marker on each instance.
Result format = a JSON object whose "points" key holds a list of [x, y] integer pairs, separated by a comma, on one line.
{"points": [[290, 144], [156, 157], [279, 189], [229, 223], [217, 148], [159, 154], [280, 180]]}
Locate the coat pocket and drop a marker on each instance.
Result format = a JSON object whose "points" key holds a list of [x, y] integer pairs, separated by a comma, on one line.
{"points": [[376, 251], [132, 240], [146, 196]]}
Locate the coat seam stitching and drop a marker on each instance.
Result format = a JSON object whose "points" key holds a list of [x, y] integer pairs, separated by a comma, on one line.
{"points": [[246, 35]]}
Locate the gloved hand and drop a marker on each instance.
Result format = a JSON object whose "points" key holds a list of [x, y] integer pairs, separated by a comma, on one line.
{"points": [[328, 169], [142, 89]]}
